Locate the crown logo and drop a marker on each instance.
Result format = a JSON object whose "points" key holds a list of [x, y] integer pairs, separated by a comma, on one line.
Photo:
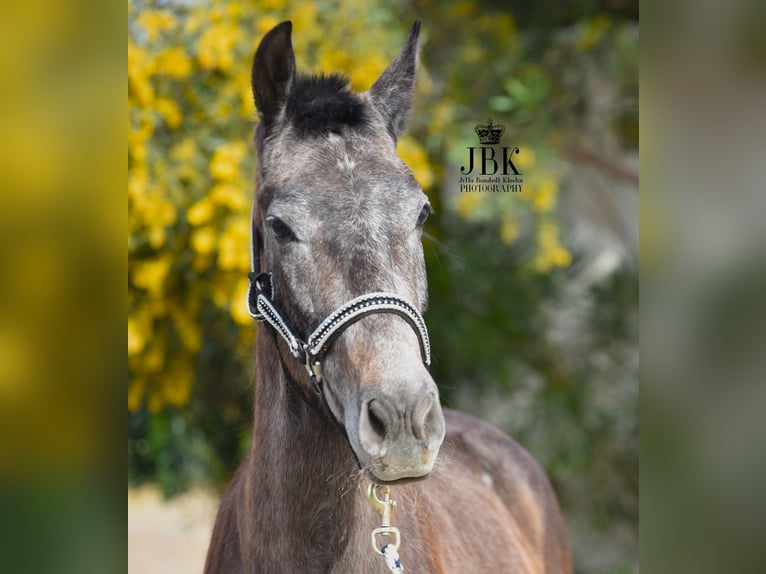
{"points": [[489, 134]]}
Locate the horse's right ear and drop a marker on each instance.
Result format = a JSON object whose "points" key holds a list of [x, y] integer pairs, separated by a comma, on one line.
{"points": [[392, 91], [273, 73]]}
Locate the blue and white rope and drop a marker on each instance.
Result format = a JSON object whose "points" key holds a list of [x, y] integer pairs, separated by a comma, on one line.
{"points": [[392, 558]]}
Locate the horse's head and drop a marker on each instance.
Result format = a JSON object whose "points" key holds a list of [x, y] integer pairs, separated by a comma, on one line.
{"points": [[339, 215]]}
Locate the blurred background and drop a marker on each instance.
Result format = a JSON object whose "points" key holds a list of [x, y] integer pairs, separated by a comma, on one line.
{"points": [[533, 296]]}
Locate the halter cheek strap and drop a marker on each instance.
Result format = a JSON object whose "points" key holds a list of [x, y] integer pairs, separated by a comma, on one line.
{"points": [[260, 305]]}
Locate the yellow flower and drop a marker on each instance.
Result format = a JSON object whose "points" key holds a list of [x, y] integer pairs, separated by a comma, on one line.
{"points": [[234, 10], [151, 274], [333, 59], [233, 249], [550, 252], [304, 17], [203, 240], [229, 195], [194, 21], [138, 183], [441, 115], [170, 112], [157, 236], [137, 149], [142, 203], [509, 229], [267, 5], [185, 151], [177, 383], [245, 93], [561, 257], [187, 329], [220, 291], [225, 163], [365, 73], [141, 128], [238, 307], [155, 22], [156, 210], [525, 158], [154, 359], [136, 390], [215, 48], [174, 63], [201, 212], [415, 157], [141, 66], [545, 196], [266, 23], [136, 337]]}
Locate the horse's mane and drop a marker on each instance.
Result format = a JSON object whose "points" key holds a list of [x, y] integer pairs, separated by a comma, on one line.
{"points": [[322, 104]]}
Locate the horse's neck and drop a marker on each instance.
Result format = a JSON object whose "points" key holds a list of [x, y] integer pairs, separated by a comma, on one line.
{"points": [[303, 483]]}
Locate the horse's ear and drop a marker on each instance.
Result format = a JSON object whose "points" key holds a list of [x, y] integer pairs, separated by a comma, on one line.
{"points": [[273, 72], [392, 91]]}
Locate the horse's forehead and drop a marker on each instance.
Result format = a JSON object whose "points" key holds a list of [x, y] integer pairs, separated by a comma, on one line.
{"points": [[327, 172]]}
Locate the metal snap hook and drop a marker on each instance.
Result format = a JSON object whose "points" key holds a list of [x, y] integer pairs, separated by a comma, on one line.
{"points": [[384, 507]]}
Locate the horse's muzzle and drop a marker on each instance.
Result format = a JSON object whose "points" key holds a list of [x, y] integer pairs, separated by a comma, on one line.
{"points": [[400, 433]]}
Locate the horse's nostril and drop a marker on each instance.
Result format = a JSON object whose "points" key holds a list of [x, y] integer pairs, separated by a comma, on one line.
{"points": [[422, 417], [433, 424], [376, 415]]}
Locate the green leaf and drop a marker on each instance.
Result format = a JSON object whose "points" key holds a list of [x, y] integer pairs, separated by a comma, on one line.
{"points": [[502, 104]]}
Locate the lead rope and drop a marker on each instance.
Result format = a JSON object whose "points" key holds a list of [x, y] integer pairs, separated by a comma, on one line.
{"points": [[392, 558], [390, 552]]}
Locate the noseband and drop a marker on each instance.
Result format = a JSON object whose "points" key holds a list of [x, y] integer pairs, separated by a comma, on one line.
{"points": [[261, 306]]}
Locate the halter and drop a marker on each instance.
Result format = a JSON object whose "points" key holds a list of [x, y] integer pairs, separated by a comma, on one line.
{"points": [[261, 306]]}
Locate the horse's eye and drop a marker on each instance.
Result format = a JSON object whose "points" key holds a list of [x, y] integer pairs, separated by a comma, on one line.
{"points": [[280, 229], [427, 209]]}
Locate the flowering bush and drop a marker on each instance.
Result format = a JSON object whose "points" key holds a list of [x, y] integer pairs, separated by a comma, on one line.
{"points": [[190, 164], [190, 161], [190, 168]]}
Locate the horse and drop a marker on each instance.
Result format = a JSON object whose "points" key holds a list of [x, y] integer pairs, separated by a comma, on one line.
{"points": [[345, 407]]}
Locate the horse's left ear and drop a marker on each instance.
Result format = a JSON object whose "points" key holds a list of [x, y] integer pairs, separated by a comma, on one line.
{"points": [[392, 91], [273, 73]]}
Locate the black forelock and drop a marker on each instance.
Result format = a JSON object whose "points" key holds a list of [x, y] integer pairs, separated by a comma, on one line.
{"points": [[321, 104]]}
